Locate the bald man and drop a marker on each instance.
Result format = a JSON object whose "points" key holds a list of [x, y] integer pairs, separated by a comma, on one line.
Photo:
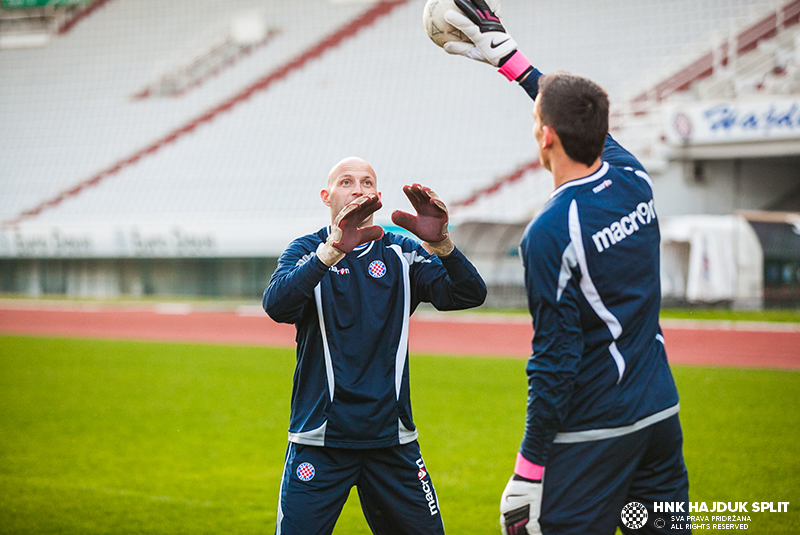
{"points": [[350, 289]]}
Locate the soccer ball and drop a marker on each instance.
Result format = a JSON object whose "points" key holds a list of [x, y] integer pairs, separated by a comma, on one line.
{"points": [[439, 30]]}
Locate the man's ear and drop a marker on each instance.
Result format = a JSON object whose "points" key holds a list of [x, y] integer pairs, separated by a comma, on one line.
{"points": [[548, 137], [325, 196]]}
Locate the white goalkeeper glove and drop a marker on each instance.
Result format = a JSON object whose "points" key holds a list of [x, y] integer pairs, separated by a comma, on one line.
{"points": [[479, 20], [346, 232], [520, 506]]}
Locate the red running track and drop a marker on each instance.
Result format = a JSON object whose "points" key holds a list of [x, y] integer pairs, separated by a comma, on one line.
{"points": [[737, 345]]}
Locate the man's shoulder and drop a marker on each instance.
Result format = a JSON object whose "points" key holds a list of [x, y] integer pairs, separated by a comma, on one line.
{"points": [[554, 217], [313, 237], [621, 188], [548, 233], [309, 242], [637, 177], [614, 184]]}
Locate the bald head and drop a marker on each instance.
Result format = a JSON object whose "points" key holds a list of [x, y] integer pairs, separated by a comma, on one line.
{"points": [[349, 165], [348, 180]]}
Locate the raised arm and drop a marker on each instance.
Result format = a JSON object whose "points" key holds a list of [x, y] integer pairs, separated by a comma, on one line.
{"points": [[617, 155], [458, 285], [492, 44], [291, 286], [448, 283], [303, 264]]}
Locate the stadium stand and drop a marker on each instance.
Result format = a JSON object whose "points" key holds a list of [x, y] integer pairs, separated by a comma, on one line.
{"points": [[26, 23], [145, 130]]}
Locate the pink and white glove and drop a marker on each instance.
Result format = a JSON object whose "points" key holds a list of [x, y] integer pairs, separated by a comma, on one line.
{"points": [[521, 503], [480, 21]]}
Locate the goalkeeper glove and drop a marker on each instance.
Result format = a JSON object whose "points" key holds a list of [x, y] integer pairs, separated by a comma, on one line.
{"points": [[521, 502], [430, 223], [490, 42], [346, 232]]}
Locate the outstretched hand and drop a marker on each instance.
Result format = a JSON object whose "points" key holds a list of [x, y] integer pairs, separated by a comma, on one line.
{"points": [[430, 223], [347, 232], [479, 20]]}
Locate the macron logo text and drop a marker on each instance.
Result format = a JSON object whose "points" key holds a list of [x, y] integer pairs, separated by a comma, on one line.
{"points": [[426, 488], [619, 230]]}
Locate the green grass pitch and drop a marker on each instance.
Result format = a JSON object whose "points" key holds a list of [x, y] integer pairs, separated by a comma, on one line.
{"points": [[133, 437]]}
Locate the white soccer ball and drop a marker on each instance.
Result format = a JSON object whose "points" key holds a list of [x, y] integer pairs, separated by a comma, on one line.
{"points": [[438, 29]]}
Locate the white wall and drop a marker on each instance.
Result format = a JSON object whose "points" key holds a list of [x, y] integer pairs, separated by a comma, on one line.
{"points": [[721, 187]]}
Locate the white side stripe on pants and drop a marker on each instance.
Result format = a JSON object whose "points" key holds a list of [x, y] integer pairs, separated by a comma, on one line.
{"points": [[289, 451]]}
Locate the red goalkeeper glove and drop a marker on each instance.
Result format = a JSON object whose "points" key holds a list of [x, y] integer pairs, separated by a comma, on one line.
{"points": [[430, 223], [347, 232]]}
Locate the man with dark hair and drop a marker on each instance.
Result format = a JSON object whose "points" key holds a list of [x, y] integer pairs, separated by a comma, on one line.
{"points": [[577, 109], [350, 289], [602, 421]]}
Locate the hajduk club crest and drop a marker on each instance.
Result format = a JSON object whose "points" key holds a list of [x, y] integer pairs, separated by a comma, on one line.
{"points": [[305, 472], [377, 269]]}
